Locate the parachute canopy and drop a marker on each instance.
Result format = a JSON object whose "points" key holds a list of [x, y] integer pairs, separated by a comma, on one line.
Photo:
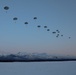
{"points": [[54, 32], [45, 26], [48, 29], [35, 18], [26, 23], [15, 18], [6, 7], [38, 26], [58, 31], [61, 35]]}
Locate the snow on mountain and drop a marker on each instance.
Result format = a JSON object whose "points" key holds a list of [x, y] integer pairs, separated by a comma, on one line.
{"points": [[32, 56]]}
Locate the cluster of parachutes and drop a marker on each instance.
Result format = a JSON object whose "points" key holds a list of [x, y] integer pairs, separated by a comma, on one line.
{"points": [[57, 32]]}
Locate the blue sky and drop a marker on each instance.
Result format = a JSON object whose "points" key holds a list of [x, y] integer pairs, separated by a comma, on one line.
{"points": [[55, 14]]}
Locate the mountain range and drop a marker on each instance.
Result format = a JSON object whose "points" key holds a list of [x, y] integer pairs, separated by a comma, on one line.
{"points": [[34, 57]]}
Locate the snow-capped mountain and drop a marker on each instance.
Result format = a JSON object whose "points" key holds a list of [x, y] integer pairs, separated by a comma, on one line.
{"points": [[33, 57]]}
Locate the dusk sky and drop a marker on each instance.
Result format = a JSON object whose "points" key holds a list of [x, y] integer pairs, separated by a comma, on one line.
{"points": [[15, 36]]}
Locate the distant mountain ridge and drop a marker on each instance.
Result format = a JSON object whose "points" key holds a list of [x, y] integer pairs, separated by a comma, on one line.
{"points": [[29, 57]]}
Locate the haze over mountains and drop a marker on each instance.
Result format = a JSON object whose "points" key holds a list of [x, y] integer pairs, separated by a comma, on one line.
{"points": [[28, 57]]}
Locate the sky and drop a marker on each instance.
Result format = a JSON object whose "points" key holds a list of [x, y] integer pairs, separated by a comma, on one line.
{"points": [[15, 36]]}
